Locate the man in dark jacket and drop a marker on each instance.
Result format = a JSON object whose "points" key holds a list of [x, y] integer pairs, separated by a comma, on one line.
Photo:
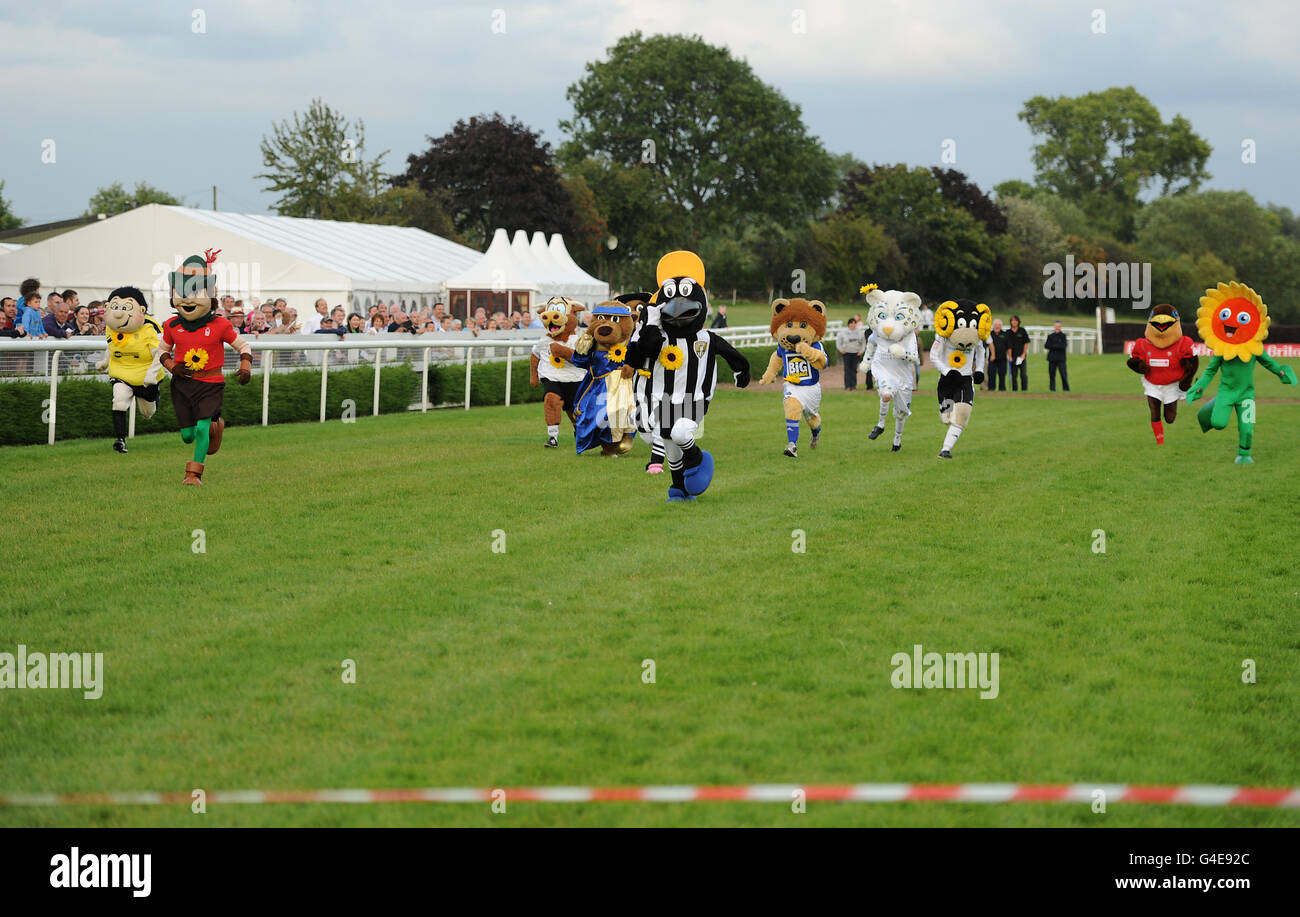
{"points": [[999, 346], [1056, 345], [58, 322]]}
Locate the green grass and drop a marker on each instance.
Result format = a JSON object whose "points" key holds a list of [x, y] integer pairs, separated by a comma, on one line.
{"points": [[372, 541]]}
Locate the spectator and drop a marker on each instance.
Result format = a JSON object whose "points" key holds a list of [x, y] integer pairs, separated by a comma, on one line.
{"points": [[236, 315], [31, 318], [431, 327], [9, 326], [1000, 346], [257, 324], [851, 342], [58, 323], [401, 323], [73, 301], [312, 323], [227, 305], [371, 313], [719, 320], [1017, 355], [480, 317], [446, 323], [289, 320], [84, 327], [377, 324], [27, 288], [327, 326], [457, 325], [439, 311], [356, 323], [927, 319], [340, 316], [97, 315], [1056, 345]]}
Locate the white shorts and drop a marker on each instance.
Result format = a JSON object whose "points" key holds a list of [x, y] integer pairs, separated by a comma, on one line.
{"points": [[809, 396], [1165, 394]]}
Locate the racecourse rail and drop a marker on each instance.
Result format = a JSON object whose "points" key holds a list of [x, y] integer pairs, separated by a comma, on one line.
{"points": [[39, 360]]}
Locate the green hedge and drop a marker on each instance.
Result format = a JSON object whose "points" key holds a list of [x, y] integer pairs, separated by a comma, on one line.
{"points": [[85, 404]]}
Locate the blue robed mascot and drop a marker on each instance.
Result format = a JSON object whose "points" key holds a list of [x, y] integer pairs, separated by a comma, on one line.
{"points": [[603, 407]]}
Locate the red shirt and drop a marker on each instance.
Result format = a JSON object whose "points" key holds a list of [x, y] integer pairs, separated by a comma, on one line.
{"points": [[203, 350], [1166, 365]]}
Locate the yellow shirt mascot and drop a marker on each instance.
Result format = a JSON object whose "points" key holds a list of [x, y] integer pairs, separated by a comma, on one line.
{"points": [[132, 358]]}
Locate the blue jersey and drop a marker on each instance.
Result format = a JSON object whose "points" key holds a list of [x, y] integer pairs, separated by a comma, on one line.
{"points": [[795, 369]]}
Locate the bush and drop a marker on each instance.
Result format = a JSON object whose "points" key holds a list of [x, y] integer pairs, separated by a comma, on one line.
{"points": [[84, 405]]}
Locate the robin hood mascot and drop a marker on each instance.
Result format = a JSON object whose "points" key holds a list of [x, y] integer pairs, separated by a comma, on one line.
{"points": [[1165, 361], [193, 350], [132, 358], [1233, 323], [683, 373]]}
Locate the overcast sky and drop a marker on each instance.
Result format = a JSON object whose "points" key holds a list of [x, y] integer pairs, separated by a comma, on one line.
{"points": [[130, 91]]}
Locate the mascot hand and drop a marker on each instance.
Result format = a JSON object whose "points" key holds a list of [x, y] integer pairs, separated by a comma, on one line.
{"points": [[584, 344], [897, 351], [101, 366], [1287, 375], [1137, 366], [151, 375], [181, 371], [805, 350], [1195, 392], [766, 379], [245, 370], [534, 381], [652, 315], [978, 377], [742, 379]]}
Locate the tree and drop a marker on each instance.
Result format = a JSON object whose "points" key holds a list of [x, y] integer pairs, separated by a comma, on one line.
{"points": [[116, 199], [963, 192], [8, 219], [850, 250], [495, 173], [590, 228], [1104, 149], [409, 206], [948, 252], [317, 164], [728, 147], [633, 204]]}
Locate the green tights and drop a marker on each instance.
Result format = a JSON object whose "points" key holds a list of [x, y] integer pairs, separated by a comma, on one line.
{"points": [[198, 435]]}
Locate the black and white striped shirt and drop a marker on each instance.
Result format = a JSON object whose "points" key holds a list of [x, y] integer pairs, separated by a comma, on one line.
{"points": [[668, 395]]}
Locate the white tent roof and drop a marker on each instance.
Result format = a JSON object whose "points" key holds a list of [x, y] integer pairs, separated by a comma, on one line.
{"points": [[499, 268], [518, 264], [561, 256], [266, 256], [10, 246]]}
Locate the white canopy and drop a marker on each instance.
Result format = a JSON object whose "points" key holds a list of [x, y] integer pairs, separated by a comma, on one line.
{"points": [[499, 269], [544, 269], [301, 260]]}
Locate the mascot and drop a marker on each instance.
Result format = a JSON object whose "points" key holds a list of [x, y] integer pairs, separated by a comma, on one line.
{"points": [[193, 351], [683, 373], [640, 376], [891, 356], [1233, 323], [798, 326], [603, 407], [960, 329], [132, 358], [1166, 363], [557, 376]]}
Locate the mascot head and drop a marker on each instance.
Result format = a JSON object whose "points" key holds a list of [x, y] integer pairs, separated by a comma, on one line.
{"points": [[1163, 327], [559, 316], [194, 287], [892, 314], [610, 326], [796, 321], [1233, 321], [681, 296], [963, 322], [125, 310]]}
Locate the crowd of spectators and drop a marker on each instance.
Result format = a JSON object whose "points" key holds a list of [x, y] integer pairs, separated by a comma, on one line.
{"points": [[277, 317], [59, 314]]}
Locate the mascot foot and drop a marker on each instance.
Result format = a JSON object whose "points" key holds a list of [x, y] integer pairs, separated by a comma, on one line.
{"points": [[119, 445], [816, 437], [677, 496], [792, 450], [698, 478], [552, 442], [654, 467], [1245, 460], [895, 447], [214, 435], [945, 454], [193, 474], [875, 432]]}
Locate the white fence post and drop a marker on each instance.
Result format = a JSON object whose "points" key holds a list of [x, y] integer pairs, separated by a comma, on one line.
{"points": [[379, 353], [510, 352], [266, 385], [54, 392], [424, 383], [324, 376], [468, 359]]}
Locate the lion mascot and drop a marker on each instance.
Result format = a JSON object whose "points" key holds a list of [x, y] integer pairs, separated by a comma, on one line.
{"points": [[960, 329], [1233, 323], [132, 359], [558, 377], [1165, 361], [194, 350], [798, 326], [892, 356]]}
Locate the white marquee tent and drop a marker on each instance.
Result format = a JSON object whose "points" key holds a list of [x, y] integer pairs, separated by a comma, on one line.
{"points": [[301, 260], [516, 274]]}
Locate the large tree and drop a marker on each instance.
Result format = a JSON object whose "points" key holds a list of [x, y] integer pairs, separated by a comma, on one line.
{"points": [[116, 199], [638, 221], [1105, 149], [317, 163], [494, 173], [728, 147]]}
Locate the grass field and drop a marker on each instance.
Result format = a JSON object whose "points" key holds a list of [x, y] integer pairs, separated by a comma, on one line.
{"points": [[373, 541]]}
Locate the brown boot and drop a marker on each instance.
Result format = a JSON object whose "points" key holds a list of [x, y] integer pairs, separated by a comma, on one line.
{"points": [[214, 435], [193, 474]]}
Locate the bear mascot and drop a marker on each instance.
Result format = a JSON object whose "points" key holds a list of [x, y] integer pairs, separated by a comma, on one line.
{"points": [[602, 412], [798, 326], [558, 377]]}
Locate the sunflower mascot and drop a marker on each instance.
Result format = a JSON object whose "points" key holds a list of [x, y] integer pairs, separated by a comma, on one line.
{"points": [[1233, 323]]}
